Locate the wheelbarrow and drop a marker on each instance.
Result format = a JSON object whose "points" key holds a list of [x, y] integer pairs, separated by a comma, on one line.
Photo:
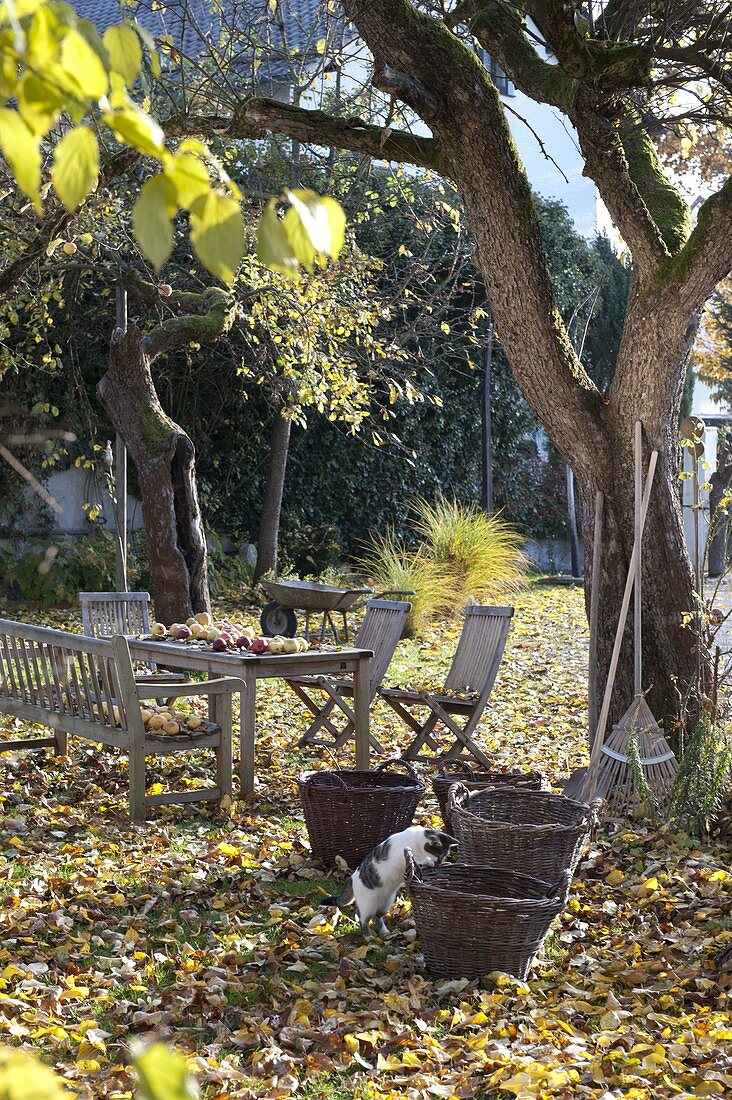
{"points": [[279, 616]]}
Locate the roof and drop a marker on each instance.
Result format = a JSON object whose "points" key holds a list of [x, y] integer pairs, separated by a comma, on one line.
{"points": [[237, 29]]}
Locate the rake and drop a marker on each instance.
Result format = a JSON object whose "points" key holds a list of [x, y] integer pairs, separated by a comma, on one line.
{"points": [[635, 765]]}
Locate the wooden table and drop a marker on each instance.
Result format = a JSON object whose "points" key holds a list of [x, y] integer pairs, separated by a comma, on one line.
{"points": [[250, 668]]}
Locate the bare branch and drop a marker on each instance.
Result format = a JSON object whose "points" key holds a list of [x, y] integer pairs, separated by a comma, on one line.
{"points": [[260, 116]]}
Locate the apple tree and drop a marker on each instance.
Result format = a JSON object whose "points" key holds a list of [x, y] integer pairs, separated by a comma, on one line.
{"points": [[620, 74]]}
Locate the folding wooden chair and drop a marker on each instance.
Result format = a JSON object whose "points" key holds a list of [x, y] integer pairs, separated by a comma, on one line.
{"points": [[465, 693], [380, 632], [106, 614]]}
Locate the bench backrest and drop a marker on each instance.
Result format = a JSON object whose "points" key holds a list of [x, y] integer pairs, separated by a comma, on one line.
{"points": [[105, 614], [77, 680]]}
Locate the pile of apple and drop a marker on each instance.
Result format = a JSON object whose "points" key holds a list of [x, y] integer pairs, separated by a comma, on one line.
{"points": [[161, 720], [226, 636]]}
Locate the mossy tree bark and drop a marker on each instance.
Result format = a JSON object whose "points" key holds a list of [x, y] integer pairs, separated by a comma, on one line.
{"points": [[422, 60], [164, 457]]}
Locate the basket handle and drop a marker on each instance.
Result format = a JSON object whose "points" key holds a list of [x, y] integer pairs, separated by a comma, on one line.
{"points": [[456, 766], [457, 798], [392, 763], [412, 868], [595, 809], [333, 774]]}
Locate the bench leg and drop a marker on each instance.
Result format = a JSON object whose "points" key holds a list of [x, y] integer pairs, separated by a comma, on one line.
{"points": [[61, 746], [137, 783]]}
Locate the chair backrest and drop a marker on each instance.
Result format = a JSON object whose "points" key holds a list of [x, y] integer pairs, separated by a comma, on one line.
{"points": [[88, 679], [380, 632], [107, 613], [480, 649]]}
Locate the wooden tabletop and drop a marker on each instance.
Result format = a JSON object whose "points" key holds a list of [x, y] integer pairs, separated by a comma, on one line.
{"points": [[265, 665]]}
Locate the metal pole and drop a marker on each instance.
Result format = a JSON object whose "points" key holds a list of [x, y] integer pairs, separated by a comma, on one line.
{"points": [[487, 426], [120, 473]]}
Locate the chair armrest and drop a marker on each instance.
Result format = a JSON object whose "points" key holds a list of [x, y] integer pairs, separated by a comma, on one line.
{"points": [[226, 685]]}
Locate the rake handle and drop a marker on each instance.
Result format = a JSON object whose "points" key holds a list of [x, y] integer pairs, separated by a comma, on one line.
{"points": [[632, 572]]}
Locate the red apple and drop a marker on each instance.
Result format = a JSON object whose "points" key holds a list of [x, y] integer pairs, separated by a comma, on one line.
{"points": [[183, 633], [260, 645], [218, 645], [243, 642]]}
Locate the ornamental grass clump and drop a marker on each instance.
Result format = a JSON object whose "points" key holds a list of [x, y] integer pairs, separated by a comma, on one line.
{"points": [[390, 565], [480, 552], [462, 553]]}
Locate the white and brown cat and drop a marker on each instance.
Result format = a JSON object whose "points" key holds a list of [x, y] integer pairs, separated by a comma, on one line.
{"points": [[375, 883]]}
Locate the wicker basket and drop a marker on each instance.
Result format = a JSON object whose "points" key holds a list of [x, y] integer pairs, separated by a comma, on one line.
{"points": [[473, 920], [348, 813], [461, 772], [531, 832]]}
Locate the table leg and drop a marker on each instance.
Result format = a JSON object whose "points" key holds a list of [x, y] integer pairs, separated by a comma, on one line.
{"points": [[247, 734], [361, 712]]}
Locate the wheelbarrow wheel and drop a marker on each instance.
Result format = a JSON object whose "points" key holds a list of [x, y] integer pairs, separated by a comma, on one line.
{"points": [[276, 619]]}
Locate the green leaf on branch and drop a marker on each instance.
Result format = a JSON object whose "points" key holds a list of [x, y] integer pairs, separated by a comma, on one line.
{"points": [[322, 222], [21, 150], [189, 176], [133, 127], [84, 65], [217, 234], [164, 1075], [42, 36], [75, 166], [273, 246], [308, 208], [39, 103], [125, 51], [336, 216], [152, 219]]}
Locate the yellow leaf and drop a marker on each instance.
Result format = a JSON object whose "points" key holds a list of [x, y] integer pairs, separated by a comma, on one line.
{"points": [[614, 877], [21, 149], [225, 849]]}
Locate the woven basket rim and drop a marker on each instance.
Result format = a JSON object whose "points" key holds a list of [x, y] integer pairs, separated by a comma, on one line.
{"points": [[507, 793], [407, 783], [437, 880]]}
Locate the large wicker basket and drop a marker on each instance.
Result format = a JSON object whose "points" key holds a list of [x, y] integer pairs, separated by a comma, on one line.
{"points": [[473, 920], [531, 832], [348, 813], [475, 780]]}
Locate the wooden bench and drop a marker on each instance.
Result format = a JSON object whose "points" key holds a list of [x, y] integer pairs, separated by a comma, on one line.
{"points": [[86, 687]]}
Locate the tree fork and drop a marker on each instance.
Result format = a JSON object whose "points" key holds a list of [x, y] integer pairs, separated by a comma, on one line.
{"points": [[164, 457]]}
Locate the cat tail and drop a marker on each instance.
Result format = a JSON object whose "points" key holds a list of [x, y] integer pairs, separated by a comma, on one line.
{"points": [[343, 899]]}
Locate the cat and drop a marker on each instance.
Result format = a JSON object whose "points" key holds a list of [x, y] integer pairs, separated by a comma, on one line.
{"points": [[377, 880]]}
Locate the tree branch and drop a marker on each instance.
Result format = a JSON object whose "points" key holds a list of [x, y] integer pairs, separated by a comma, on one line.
{"points": [[706, 258], [201, 326], [256, 117], [499, 29]]}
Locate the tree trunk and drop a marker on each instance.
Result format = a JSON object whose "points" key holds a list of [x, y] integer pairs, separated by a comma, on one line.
{"points": [[165, 460], [668, 647], [269, 521]]}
